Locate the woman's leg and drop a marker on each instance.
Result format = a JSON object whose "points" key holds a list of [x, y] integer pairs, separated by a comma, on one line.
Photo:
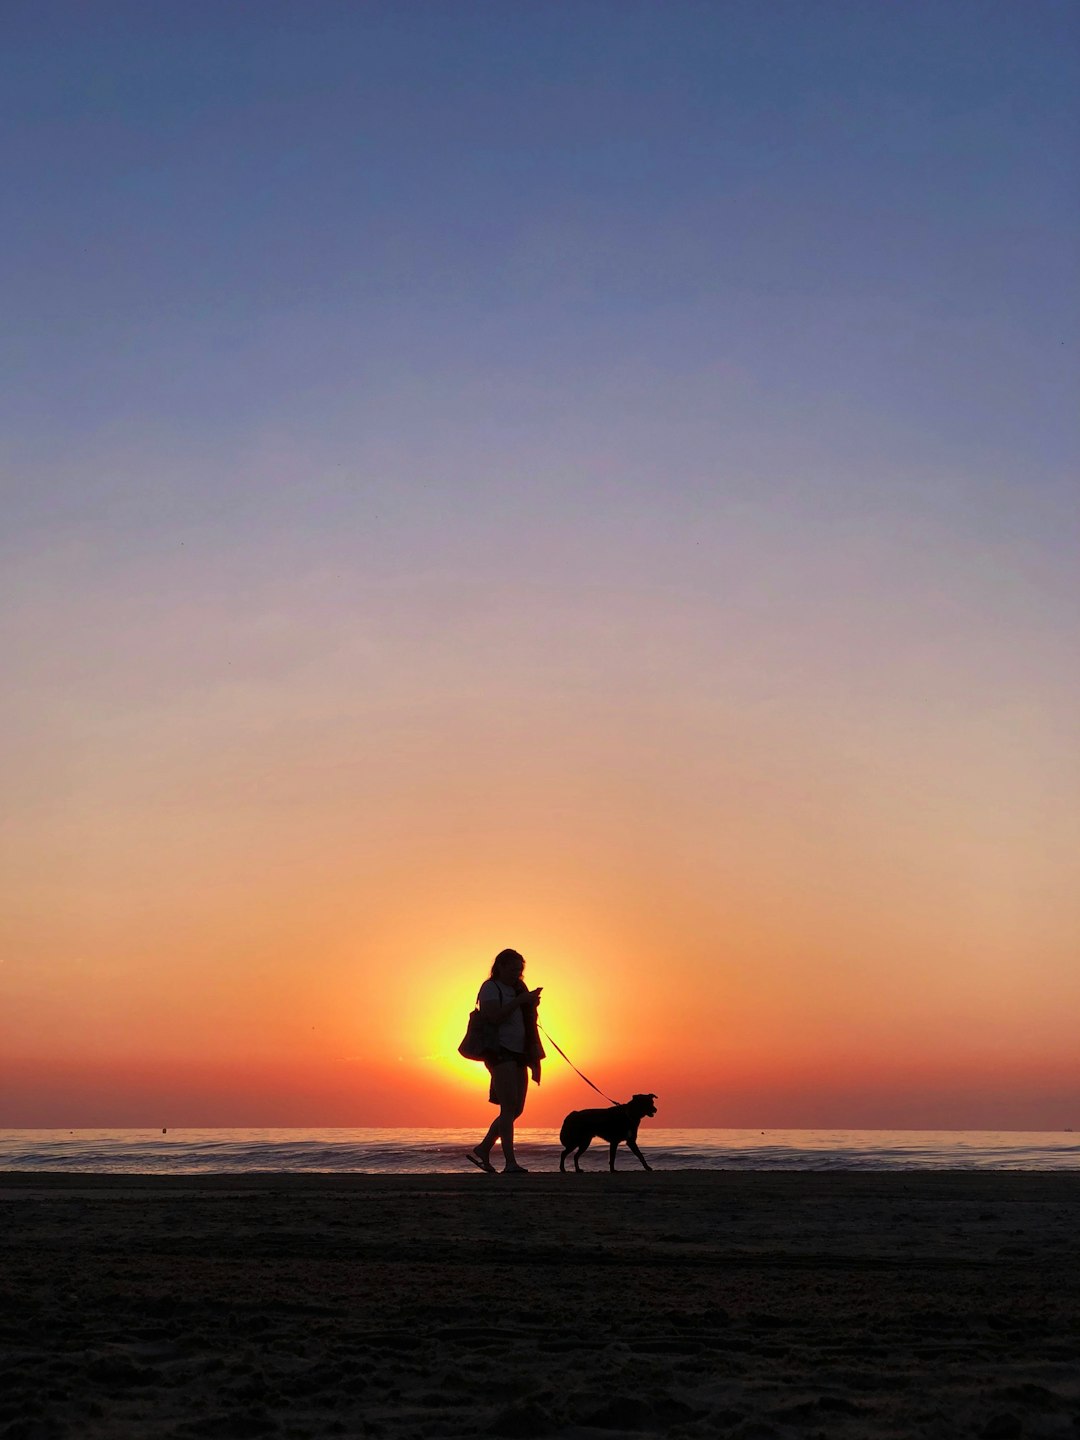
{"points": [[486, 1145], [510, 1080], [484, 1148], [523, 1083]]}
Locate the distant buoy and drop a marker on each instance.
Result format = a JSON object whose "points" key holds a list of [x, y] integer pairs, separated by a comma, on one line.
{"points": [[164, 1129]]}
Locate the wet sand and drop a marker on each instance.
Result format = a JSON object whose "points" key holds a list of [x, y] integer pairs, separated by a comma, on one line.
{"points": [[689, 1304]]}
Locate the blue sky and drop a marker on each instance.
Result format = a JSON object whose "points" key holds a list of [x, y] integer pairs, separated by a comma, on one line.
{"points": [[864, 214]]}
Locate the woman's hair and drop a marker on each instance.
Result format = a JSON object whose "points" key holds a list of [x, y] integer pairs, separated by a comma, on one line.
{"points": [[504, 957]]}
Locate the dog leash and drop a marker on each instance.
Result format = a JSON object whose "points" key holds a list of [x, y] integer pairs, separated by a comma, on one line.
{"points": [[576, 1071]]}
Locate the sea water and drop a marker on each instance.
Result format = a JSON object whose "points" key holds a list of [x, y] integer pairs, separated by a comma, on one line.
{"points": [[420, 1151]]}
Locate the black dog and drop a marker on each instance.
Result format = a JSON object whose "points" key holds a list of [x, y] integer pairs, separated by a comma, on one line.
{"points": [[620, 1123]]}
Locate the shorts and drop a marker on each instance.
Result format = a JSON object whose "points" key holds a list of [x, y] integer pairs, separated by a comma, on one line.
{"points": [[500, 1057]]}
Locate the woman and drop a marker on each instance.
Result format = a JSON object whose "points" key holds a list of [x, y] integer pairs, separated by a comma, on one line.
{"points": [[508, 1007]]}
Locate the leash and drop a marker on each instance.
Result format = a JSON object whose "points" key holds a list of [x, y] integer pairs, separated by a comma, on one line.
{"points": [[576, 1071]]}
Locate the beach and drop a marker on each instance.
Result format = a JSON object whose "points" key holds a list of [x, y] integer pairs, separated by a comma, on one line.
{"points": [[693, 1303]]}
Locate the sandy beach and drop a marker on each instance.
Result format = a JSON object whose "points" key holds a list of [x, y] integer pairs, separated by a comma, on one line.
{"points": [[741, 1304]]}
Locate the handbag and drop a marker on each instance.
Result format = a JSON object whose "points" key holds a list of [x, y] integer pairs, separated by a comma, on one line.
{"points": [[481, 1037]]}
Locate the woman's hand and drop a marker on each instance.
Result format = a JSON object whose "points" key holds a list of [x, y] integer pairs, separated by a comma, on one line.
{"points": [[496, 1014]]}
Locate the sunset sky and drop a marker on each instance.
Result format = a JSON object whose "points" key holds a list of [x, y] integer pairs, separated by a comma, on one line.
{"points": [[598, 478]]}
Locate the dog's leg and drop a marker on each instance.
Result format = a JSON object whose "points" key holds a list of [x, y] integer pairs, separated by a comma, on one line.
{"points": [[581, 1151], [611, 1156], [562, 1158], [640, 1156]]}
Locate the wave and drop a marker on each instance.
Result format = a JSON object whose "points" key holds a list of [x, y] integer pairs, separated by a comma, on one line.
{"points": [[385, 1151]]}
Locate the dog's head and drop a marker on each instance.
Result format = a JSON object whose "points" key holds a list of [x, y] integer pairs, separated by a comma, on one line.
{"points": [[643, 1104]]}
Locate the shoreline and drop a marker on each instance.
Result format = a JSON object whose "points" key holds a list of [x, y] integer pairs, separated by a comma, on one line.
{"points": [[754, 1304], [803, 1179]]}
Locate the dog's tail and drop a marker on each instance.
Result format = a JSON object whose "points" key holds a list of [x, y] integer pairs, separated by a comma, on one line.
{"points": [[566, 1134]]}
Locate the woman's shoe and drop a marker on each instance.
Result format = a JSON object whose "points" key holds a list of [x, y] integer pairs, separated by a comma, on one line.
{"points": [[481, 1162], [515, 1170]]}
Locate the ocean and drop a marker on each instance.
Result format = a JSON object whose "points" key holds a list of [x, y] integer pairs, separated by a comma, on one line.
{"points": [[417, 1152]]}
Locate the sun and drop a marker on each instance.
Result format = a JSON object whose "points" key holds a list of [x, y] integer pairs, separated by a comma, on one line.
{"points": [[450, 994]]}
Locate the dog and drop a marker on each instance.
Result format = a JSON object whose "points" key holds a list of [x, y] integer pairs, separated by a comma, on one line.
{"points": [[581, 1127]]}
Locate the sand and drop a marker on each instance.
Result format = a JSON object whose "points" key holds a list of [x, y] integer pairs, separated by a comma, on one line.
{"points": [[689, 1304]]}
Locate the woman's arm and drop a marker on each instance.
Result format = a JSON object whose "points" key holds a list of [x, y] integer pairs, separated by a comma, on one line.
{"points": [[495, 1013]]}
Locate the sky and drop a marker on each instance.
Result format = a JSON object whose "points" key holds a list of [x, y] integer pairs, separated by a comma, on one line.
{"points": [[599, 479]]}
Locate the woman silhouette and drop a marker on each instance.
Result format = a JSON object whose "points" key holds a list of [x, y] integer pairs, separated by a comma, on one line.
{"points": [[508, 1007]]}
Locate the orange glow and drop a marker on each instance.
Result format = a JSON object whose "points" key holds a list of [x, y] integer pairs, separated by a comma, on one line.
{"points": [[752, 913]]}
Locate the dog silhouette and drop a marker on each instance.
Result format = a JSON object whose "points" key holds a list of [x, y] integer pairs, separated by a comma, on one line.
{"points": [[581, 1128]]}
